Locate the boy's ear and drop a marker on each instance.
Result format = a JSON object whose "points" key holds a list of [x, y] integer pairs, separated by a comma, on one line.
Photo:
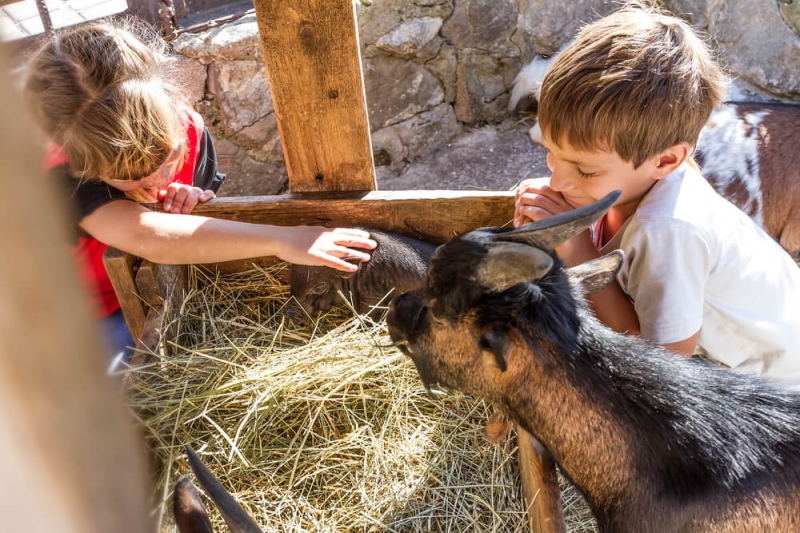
{"points": [[671, 158]]}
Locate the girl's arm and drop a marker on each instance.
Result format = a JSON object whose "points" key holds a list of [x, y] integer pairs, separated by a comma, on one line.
{"points": [[188, 239]]}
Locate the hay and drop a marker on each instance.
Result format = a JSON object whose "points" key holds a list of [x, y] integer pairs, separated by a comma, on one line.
{"points": [[318, 428]]}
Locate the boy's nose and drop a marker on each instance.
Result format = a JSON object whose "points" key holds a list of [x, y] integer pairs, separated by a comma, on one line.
{"points": [[559, 182]]}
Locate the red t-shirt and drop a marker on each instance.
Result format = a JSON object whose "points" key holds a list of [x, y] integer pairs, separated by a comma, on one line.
{"points": [[89, 251]]}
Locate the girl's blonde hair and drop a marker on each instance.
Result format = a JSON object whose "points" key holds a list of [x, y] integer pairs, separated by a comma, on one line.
{"points": [[635, 82], [97, 92]]}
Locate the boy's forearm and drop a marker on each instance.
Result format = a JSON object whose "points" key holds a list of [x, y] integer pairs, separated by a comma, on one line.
{"points": [[611, 305], [613, 308]]}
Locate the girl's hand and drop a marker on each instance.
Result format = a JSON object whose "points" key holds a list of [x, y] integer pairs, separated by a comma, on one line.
{"points": [[535, 200], [317, 246], [181, 198]]}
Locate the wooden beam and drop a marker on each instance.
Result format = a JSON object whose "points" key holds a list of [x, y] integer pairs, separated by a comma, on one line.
{"points": [[429, 215], [539, 485], [121, 268], [312, 57]]}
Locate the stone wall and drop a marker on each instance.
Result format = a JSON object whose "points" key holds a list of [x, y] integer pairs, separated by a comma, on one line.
{"points": [[437, 70]]}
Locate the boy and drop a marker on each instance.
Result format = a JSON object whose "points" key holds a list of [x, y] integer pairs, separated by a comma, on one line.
{"points": [[622, 108]]}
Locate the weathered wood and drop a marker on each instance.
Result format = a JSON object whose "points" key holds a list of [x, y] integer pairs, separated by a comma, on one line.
{"points": [[158, 284], [161, 289], [121, 268], [539, 485], [149, 339], [70, 458], [427, 215], [311, 53], [242, 265]]}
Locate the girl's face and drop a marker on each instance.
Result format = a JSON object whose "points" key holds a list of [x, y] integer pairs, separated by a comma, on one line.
{"points": [[158, 180]]}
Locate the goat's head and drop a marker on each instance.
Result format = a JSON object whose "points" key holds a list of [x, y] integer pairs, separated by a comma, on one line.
{"points": [[315, 289], [469, 327]]}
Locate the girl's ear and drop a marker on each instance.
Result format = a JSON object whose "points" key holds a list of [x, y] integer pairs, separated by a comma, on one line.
{"points": [[671, 158]]}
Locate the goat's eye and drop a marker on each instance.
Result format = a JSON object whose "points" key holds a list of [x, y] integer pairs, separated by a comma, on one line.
{"points": [[320, 288]]}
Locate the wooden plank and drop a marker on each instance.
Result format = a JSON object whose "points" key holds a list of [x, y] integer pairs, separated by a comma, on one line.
{"points": [[147, 342], [160, 284], [429, 215], [121, 271], [312, 57], [539, 485]]}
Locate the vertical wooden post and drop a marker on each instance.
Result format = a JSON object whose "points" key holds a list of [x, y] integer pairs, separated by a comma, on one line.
{"points": [[313, 62], [539, 485]]}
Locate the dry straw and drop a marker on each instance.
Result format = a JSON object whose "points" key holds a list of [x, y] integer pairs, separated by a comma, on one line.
{"points": [[320, 426]]}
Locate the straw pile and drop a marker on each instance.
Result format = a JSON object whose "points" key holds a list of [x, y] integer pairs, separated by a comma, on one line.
{"points": [[320, 427]]}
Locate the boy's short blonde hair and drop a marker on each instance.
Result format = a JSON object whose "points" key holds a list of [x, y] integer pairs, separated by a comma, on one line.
{"points": [[96, 90], [635, 82]]}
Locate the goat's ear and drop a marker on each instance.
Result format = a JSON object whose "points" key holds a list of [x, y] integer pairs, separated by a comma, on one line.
{"points": [[509, 263], [593, 276], [494, 343], [550, 232]]}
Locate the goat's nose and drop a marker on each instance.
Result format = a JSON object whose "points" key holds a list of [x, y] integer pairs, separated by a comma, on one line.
{"points": [[293, 310]]}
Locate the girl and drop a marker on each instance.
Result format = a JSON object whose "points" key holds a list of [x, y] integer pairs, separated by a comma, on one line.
{"points": [[120, 136]]}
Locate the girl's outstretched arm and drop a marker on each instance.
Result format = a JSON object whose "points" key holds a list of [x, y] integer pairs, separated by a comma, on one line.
{"points": [[188, 239]]}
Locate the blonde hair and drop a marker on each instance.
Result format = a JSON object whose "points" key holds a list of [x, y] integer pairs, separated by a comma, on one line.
{"points": [[635, 82], [97, 92]]}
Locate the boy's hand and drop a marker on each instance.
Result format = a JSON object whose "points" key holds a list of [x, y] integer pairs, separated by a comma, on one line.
{"points": [[181, 198], [315, 246], [535, 200]]}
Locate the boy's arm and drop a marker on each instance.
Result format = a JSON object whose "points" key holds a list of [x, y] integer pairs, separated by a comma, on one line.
{"points": [[189, 239], [611, 305]]}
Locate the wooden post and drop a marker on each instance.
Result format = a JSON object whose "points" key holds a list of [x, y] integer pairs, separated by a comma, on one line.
{"points": [[313, 62], [70, 457], [539, 485], [121, 268]]}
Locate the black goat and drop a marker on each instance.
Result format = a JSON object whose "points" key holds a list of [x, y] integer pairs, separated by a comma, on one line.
{"points": [[656, 442]]}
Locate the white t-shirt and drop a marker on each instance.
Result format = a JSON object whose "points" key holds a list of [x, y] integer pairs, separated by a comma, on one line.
{"points": [[694, 261]]}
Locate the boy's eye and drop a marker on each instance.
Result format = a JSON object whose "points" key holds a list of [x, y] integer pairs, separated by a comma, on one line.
{"points": [[586, 176]]}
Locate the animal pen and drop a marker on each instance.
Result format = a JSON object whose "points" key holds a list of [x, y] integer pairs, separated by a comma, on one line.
{"points": [[311, 53]]}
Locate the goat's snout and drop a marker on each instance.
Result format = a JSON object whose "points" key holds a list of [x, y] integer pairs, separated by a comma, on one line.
{"points": [[294, 311]]}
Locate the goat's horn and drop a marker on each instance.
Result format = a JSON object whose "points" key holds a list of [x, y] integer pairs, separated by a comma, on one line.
{"points": [[548, 233], [237, 519]]}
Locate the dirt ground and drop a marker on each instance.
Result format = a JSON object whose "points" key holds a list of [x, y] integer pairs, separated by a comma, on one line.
{"points": [[492, 158]]}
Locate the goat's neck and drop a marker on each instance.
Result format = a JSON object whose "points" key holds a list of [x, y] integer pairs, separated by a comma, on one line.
{"points": [[592, 452]]}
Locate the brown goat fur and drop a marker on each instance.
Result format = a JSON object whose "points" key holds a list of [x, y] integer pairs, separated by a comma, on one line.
{"points": [[748, 152], [657, 443]]}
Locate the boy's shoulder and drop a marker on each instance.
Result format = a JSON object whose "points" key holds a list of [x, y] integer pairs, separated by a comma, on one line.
{"points": [[686, 198]]}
